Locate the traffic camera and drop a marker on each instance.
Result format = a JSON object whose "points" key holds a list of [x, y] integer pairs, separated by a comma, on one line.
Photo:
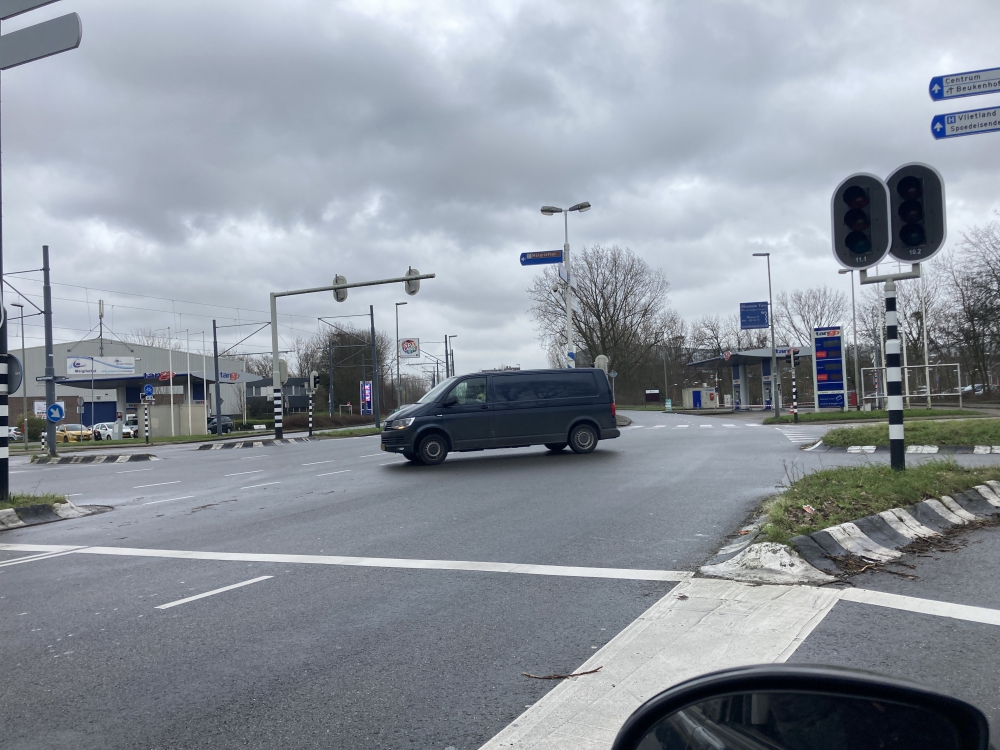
{"points": [[917, 212], [860, 216]]}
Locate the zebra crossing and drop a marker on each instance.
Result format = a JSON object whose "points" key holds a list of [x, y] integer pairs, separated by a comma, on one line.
{"points": [[794, 435]]}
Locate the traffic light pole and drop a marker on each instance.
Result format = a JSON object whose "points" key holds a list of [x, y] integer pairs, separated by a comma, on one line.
{"points": [[275, 372], [570, 352], [893, 372]]}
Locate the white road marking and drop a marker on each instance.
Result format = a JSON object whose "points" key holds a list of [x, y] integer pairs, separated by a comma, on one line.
{"points": [[393, 463], [250, 487], [729, 425], [706, 426], [240, 473], [328, 461], [657, 427], [251, 458], [372, 455], [626, 574], [718, 624], [213, 593], [158, 484], [130, 471], [342, 471], [33, 558], [681, 426], [170, 500]]}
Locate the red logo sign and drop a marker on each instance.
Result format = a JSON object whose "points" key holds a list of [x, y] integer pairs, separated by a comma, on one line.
{"points": [[166, 375]]}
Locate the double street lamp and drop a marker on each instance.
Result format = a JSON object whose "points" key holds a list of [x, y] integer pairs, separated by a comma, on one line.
{"points": [[549, 211], [857, 354], [399, 386]]}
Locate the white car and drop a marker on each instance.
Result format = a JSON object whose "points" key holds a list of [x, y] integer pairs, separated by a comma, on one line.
{"points": [[105, 431]]}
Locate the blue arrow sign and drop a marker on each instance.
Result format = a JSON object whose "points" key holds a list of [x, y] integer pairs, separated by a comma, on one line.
{"points": [[545, 256], [147, 390], [969, 122], [972, 83], [55, 413]]}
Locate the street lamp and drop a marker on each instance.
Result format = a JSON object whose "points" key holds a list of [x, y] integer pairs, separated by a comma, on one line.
{"points": [[857, 353], [399, 387], [549, 211], [24, 376], [448, 347], [776, 400]]}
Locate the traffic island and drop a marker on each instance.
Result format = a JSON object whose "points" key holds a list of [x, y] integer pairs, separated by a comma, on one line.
{"points": [[834, 523], [31, 510], [103, 458], [952, 432]]}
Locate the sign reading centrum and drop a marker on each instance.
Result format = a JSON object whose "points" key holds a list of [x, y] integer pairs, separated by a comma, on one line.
{"points": [[972, 83]]}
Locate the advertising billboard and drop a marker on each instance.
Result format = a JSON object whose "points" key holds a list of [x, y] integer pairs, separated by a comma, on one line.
{"points": [[408, 348], [828, 368], [100, 365], [366, 397]]}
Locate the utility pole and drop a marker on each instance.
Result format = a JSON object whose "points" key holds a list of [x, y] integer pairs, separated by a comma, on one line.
{"points": [[50, 365], [170, 366], [100, 317], [24, 380], [446, 373], [329, 392], [218, 389]]}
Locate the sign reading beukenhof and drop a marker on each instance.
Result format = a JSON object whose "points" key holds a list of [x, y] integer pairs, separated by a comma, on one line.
{"points": [[970, 83], [969, 122]]}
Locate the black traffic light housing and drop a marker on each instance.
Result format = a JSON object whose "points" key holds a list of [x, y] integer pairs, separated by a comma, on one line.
{"points": [[917, 212], [792, 357], [859, 212]]}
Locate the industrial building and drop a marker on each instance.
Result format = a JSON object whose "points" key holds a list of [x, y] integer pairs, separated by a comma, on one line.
{"points": [[100, 380]]}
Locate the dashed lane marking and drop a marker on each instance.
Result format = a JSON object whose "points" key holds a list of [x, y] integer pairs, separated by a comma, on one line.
{"points": [[342, 471], [169, 500], [157, 484], [213, 593], [240, 473], [251, 486]]}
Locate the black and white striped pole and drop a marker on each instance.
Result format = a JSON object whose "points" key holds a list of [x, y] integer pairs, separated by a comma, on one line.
{"points": [[795, 390], [310, 413], [894, 380], [4, 449]]}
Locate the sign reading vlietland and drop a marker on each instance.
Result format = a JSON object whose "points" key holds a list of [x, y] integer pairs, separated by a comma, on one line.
{"points": [[969, 122], [100, 365], [970, 83]]}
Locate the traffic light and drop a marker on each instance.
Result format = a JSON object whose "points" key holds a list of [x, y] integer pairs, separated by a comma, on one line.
{"points": [[917, 212], [860, 214], [412, 287], [339, 294], [792, 357], [313, 381]]}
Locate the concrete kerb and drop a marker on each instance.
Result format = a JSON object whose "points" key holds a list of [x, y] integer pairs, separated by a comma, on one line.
{"points": [[102, 458], [879, 538], [821, 447], [32, 515], [251, 443]]}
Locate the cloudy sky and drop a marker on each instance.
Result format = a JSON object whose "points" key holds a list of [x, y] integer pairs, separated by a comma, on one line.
{"points": [[204, 153]]}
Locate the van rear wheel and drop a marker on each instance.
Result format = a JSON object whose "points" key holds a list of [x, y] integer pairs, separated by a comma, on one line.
{"points": [[556, 447], [583, 439], [433, 450]]}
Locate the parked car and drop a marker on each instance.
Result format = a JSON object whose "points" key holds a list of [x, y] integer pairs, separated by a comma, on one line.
{"points": [[13, 433], [554, 408], [73, 433], [105, 431], [227, 425]]}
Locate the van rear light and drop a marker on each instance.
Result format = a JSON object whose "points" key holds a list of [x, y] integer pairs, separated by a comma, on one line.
{"points": [[613, 413]]}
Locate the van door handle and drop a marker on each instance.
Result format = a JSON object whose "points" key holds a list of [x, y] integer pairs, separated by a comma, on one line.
{"points": [[484, 406]]}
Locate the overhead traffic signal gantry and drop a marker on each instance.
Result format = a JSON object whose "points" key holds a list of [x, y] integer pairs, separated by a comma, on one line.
{"points": [[916, 212], [859, 212]]}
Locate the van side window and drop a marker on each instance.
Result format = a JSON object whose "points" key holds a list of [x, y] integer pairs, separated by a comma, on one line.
{"points": [[470, 392], [544, 387]]}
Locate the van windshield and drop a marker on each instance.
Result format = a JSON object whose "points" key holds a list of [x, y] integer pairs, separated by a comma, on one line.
{"points": [[437, 390]]}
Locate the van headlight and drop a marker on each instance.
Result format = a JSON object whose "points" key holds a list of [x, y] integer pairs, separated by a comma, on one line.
{"points": [[401, 424]]}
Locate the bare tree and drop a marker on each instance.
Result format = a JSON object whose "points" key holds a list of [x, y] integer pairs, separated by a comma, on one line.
{"points": [[257, 364], [151, 337], [798, 313], [622, 310]]}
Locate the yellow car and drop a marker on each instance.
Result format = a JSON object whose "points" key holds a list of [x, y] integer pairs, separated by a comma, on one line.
{"points": [[73, 433]]}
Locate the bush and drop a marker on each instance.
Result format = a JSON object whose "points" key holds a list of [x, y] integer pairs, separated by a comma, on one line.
{"points": [[36, 426], [325, 421]]}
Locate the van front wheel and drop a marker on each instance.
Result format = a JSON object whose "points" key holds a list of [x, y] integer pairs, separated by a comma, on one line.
{"points": [[583, 439], [433, 450]]}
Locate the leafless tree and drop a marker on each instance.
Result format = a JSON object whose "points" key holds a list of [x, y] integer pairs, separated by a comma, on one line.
{"points": [[257, 364], [151, 337], [798, 313]]}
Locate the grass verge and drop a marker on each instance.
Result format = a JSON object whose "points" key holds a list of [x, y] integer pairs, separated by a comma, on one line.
{"points": [[850, 492], [21, 499], [352, 432], [864, 416], [950, 432]]}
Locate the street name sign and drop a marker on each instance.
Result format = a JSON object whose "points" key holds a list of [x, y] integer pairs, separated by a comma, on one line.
{"points": [[753, 315], [41, 40], [541, 257], [971, 83], [969, 122]]}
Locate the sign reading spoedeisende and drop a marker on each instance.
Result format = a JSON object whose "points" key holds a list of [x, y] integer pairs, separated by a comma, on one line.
{"points": [[753, 315], [969, 122], [100, 365]]}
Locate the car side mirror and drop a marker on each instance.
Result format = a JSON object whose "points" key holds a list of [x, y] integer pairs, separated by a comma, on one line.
{"points": [[451, 401], [800, 707]]}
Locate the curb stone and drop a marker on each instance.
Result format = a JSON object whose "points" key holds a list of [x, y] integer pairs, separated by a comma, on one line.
{"points": [[252, 443], [812, 558], [32, 515], [103, 458], [978, 450]]}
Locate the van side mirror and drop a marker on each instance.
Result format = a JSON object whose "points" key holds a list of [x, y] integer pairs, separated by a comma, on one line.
{"points": [[452, 400], [788, 707]]}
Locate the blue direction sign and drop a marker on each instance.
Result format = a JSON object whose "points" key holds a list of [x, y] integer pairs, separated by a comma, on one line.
{"points": [[55, 413], [753, 315], [539, 258], [970, 122], [972, 83], [147, 390]]}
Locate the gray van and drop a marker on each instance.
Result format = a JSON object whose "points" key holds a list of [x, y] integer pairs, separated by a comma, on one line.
{"points": [[554, 408]]}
